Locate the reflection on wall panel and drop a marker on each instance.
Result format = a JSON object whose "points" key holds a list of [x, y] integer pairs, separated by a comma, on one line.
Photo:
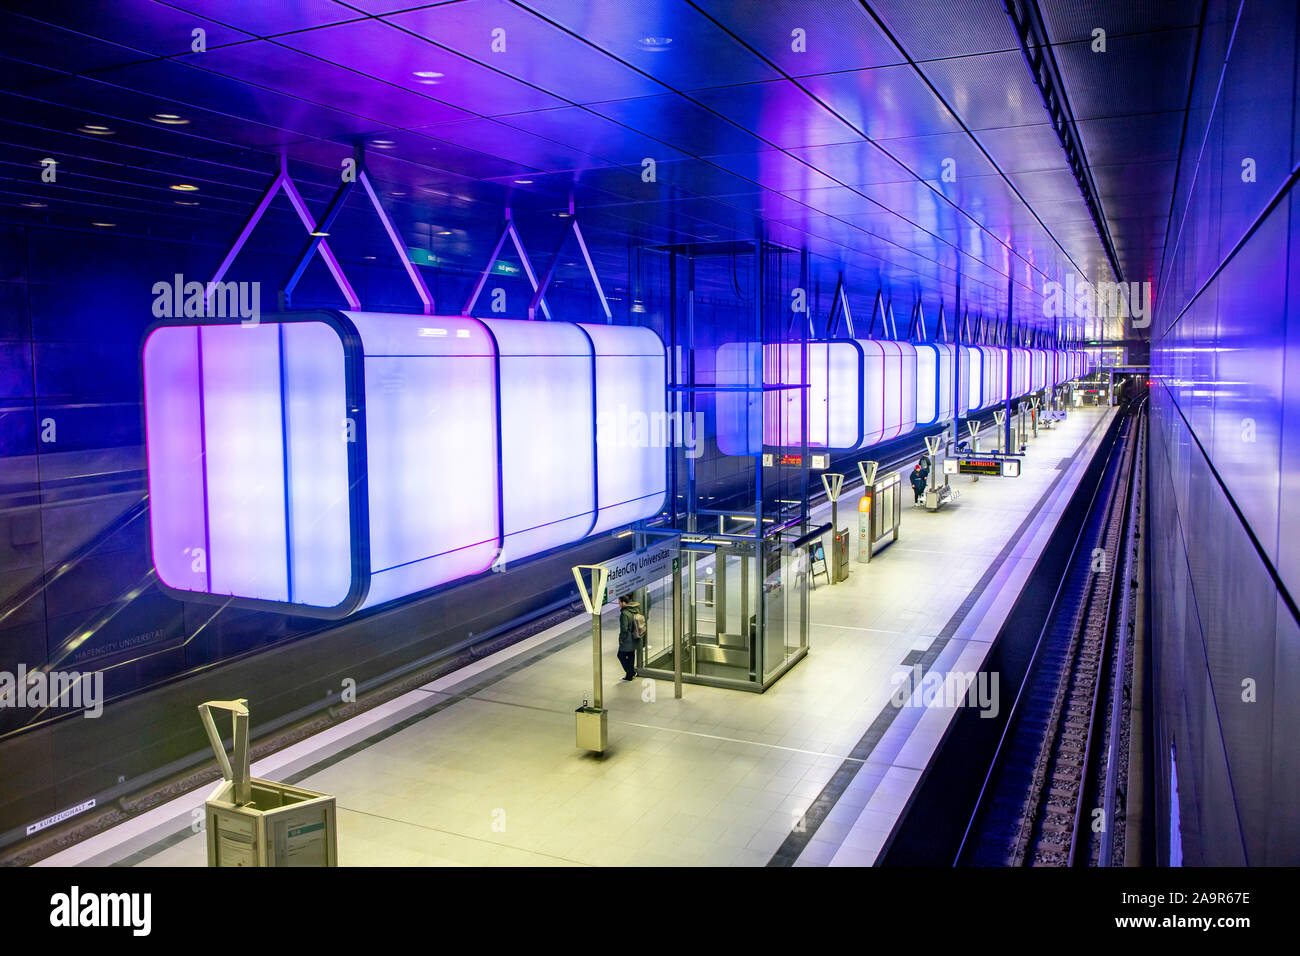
{"points": [[336, 460]]}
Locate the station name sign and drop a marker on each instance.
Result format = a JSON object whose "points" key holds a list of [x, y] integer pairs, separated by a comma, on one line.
{"points": [[638, 569]]}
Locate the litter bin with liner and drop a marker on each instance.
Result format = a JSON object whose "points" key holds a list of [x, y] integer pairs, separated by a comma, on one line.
{"points": [[252, 822]]}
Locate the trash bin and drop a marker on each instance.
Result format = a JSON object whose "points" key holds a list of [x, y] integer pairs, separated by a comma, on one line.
{"points": [[592, 726], [253, 822]]}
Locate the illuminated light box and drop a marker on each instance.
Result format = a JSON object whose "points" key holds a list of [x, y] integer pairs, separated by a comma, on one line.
{"points": [[738, 405], [1019, 372], [252, 485], [888, 390], [1037, 370], [934, 384], [994, 368], [633, 431], [834, 394], [430, 407], [972, 377], [1049, 366], [328, 461], [548, 434]]}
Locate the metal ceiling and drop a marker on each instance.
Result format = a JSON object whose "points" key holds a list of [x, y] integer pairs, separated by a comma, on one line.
{"points": [[841, 147]]}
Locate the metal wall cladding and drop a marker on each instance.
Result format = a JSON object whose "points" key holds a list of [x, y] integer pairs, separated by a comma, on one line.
{"points": [[1225, 454]]}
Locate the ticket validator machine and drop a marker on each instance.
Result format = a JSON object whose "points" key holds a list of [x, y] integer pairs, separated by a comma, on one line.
{"points": [[880, 509]]}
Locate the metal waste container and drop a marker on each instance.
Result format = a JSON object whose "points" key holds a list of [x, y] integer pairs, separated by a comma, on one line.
{"points": [[840, 557], [252, 822], [592, 726]]}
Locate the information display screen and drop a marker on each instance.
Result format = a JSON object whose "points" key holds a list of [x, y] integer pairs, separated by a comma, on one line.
{"points": [[991, 467]]}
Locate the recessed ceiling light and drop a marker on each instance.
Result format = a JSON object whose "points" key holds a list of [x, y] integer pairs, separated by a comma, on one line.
{"points": [[367, 257], [428, 77], [183, 202], [104, 225], [445, 232], [656, 44], [398, 192], [318, 233], [382, 143], [33, 205], [184, 187], [524, 182], [562, 215], [95, 130], [169, 119]]}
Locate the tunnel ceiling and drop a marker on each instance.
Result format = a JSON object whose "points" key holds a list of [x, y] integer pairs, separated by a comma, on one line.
{"points": [[470, 106]]}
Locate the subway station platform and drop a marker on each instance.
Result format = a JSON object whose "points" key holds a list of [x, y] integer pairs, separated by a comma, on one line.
{"points": [[480, 768]]}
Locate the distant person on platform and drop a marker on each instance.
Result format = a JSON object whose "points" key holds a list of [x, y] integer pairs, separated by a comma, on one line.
{"points": [[631, 632], [920, 476]]}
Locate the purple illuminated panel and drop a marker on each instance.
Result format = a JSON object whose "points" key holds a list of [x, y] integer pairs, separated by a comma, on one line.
{"points": [[888, 390], [248, 473], [739, 366], [244, 455], [174, 452], [317, 460], [1037, 370], [431, 449], [933, 384], [834, 395], [548, 435], [1019, 372], [995, 375], [256, 437], [633, 431], [972, 377]]}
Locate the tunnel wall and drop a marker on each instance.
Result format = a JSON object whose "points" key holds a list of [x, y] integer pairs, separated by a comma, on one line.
{"points": [[1225, 457]]}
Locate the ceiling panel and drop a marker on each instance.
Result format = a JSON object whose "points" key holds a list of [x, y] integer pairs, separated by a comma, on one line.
{"points": [[534, 50], [780, 113], [990, 90], [837, 34], [804, 115], [403, 59], [667, 39], [884, 103]]}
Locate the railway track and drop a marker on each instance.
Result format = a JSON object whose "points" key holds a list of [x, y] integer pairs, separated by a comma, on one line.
{"points": [[1039, 805]]}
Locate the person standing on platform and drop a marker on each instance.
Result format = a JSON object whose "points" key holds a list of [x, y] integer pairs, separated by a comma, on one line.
{"points": [[920, 475], [631, 632]]}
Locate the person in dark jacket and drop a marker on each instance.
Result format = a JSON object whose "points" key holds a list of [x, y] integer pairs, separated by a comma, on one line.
{"points": [[629, 634], [920, 475]]}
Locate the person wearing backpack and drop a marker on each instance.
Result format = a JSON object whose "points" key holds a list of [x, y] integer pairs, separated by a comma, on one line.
{"points": [[631, 632]]}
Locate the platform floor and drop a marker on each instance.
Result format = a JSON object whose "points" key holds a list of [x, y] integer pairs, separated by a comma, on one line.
{"points": [[479, 768]]}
